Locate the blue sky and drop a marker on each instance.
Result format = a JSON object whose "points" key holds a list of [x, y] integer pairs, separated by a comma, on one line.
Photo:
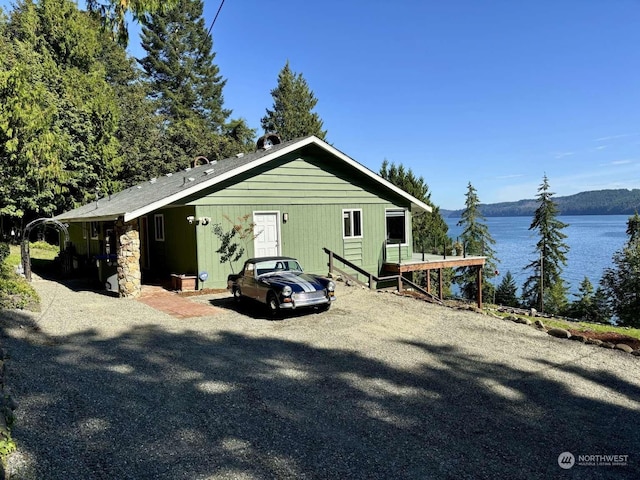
{"points": [[496, 93]]}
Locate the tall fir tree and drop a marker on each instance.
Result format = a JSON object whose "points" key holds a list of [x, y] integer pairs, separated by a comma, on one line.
{"points": [[293, 102], [551, 253], [621, 283], [477, 240], [184, 81]]}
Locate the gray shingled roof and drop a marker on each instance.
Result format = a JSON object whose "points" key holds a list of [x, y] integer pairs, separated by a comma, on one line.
{"points": [[156, 193]]}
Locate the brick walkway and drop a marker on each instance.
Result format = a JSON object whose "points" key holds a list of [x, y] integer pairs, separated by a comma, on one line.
{"points": [[173, 304]]}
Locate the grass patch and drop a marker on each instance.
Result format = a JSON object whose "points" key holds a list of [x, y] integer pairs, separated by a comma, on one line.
{"points": [[593, 327], [38, 251], [583, 326]]}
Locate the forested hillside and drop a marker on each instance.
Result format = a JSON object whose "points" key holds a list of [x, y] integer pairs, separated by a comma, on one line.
{"points": [[599, 202]]}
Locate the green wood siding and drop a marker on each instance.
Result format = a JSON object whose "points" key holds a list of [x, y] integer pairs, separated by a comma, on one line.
{"points": [[177, 253], [313, 193]]}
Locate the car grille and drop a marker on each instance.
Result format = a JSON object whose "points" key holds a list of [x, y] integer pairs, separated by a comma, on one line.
{"points": [[306, 296]]}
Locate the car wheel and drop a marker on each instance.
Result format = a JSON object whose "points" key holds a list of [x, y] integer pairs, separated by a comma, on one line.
{"points": [[273, 305], [237, 295]]}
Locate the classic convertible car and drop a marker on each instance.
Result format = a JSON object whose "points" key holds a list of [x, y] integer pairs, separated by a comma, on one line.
{"points": [[280, 283]]}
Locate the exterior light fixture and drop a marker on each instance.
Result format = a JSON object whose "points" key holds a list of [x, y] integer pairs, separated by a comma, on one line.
{"points": [[285, 217]]}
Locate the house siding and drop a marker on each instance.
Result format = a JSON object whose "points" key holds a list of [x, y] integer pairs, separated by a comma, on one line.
{"points": [[313, 193], [177, 253]]}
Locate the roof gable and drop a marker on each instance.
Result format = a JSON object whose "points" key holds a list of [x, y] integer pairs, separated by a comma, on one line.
{"points": [[144, 198]]}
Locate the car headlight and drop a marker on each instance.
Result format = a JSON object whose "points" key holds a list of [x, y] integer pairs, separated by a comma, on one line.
{"points": [[286, 291], [331, 286]]}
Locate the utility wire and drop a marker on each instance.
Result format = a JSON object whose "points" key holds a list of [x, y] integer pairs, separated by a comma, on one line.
{"points": [[215, 18]]}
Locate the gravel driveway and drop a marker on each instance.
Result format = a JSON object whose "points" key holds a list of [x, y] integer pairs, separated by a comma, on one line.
{"points": [[379, 387]]}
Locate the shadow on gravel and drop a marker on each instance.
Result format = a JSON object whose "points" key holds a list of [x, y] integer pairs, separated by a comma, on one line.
{"points": [[258, 311], [152, 404]]}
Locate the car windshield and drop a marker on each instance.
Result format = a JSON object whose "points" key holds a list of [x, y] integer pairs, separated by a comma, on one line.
{"points": [[277, 266]]}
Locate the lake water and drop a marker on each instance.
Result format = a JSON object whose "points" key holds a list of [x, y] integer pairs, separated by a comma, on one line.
{"points": [[592, 241]]}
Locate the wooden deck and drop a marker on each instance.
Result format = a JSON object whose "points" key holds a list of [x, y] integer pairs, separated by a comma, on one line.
{"points": [[432, 262], [424, 262]]}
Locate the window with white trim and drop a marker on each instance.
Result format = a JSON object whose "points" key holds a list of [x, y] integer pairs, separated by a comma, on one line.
{"points": [[95, 229], [352, 223], [158, 221], [396, 222]]}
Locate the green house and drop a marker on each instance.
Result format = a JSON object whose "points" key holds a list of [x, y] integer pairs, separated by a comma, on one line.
{"points": [[295, 198]]}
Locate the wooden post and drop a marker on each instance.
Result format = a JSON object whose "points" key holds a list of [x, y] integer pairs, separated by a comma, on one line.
{"points": [[330, 261], [428, 274], [440, 288], [400, 283], [371, 286], [479, 287]]}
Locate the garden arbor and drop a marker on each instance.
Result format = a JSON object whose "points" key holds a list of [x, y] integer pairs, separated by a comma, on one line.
{"points": [[24, 245]]}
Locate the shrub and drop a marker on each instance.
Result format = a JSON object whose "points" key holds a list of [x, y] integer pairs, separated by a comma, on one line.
{"points": [[15, 291]]}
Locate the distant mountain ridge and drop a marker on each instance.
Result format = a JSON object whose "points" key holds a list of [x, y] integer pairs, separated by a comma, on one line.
{"points": [[598, 202]]}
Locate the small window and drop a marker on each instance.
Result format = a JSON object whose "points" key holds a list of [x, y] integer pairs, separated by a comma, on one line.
{"points": [[396, 226], [84, 230], [95, 229], [352, 223], [159, 224]]}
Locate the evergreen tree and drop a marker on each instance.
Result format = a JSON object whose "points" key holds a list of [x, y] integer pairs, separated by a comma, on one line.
{"points": [[600, 308], [633, 227], [621, 283], [185, 82], [477, 240], [293, 102], [551, 253], [113, 12], [555, 298], [57, 112], [506, 292], [583, 306]]}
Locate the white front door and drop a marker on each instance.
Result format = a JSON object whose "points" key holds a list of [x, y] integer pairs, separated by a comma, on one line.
{"points": [[267, 232]]}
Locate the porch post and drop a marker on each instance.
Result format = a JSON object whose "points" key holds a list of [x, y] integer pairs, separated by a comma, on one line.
{"points": [[479, 287], [128, 257], [428, 280], [440, 287]]}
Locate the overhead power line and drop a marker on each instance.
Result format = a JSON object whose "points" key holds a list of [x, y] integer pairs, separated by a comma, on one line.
{"points": [[215, 18]]}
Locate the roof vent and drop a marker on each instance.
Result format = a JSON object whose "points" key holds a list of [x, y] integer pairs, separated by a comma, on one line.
{"points": [[267, 141], [138, 186], [169, 174], [187, 169], [197, 159], [153, 180], [208, 171], [239, 155]]}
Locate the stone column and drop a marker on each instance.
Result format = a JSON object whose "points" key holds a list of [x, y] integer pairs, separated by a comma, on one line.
{"points": [[129, 276]]}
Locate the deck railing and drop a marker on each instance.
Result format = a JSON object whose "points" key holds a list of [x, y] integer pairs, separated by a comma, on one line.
{"points": [[373, 279]]}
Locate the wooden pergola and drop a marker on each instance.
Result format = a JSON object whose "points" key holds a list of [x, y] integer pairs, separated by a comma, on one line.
{"points": [[424, 262]]}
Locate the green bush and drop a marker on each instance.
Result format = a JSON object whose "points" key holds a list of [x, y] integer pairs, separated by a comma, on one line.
{"points": [[15, 291]]}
